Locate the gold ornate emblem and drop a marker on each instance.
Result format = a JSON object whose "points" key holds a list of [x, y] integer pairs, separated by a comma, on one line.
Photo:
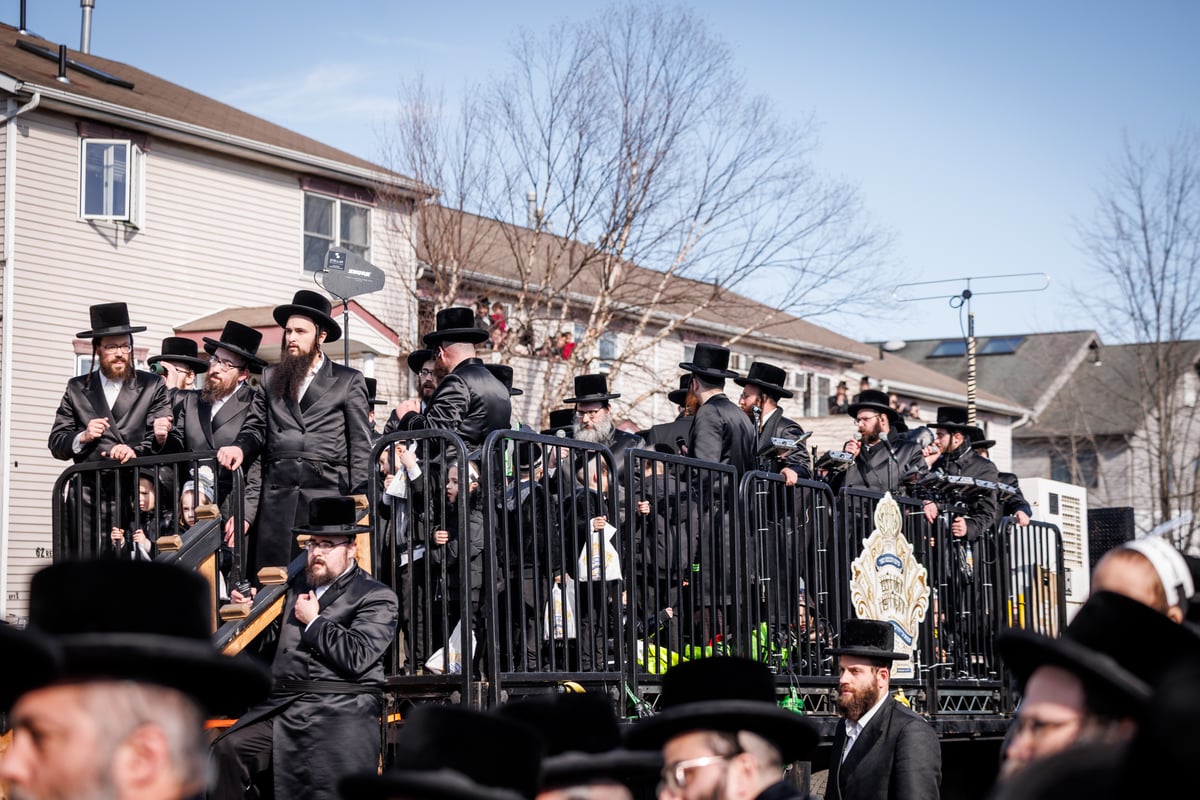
{"points": [[888, 583]]}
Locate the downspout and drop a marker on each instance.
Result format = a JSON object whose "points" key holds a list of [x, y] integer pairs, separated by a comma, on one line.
{"points": [[6, 324]]}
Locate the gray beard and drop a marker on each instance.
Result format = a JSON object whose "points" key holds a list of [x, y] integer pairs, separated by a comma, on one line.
{"points": [[599, 433]]}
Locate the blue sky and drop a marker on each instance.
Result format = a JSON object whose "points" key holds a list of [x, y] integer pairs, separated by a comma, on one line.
{"points": [[977, 132]]}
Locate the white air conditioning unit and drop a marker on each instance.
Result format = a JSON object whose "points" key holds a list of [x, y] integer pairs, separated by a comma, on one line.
{"points": [[1065, 506]]}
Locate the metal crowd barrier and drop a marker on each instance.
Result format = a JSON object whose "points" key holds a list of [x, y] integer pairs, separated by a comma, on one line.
{"points": [[567, 567]]}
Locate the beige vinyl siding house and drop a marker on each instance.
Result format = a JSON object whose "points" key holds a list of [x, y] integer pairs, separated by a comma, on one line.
{"points": [[221, 231]]}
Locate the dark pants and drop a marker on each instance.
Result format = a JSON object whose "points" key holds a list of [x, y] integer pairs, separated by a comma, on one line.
{"points": [[241, 763]]}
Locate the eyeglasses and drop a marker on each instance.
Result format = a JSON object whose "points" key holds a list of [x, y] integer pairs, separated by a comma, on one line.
{"points": [[1037, 727], [323, 546], [675, 776], [116, 348], [425, 373], [215, 363], [865, 420]]}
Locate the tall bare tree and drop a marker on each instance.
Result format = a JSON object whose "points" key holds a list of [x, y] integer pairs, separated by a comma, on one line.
{"points": [[1144, 244], [619, 175]]}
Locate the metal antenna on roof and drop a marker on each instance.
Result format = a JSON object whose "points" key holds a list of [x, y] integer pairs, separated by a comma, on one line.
{"points": [[1035, 282], [85, 33]]}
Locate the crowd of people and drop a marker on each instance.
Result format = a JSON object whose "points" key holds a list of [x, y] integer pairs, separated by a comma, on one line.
{"points": [[137, 680]]}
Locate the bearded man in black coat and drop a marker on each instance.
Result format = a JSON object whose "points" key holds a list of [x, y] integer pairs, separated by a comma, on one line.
{"points": [[117, 412], [309, 426]]}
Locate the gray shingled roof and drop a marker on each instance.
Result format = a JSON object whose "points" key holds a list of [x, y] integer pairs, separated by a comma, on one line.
{"points": [[1024, 376], [154, 99], [1111, 398]]}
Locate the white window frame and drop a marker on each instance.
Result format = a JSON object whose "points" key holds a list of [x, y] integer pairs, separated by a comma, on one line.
{"points": [[333, 237], [131, 190]]}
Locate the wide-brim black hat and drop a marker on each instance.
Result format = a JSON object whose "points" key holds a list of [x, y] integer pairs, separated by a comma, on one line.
{"points": [[418, 358], [1095, 646], [724, 693], [710, 361], [241, 340], [591, 388], [679, 396], [874, 400], [29, 658], [504, 374], [562, 423], [868, 638], [455, 324], [978, 442], [332, 516], [83, 607], [954, 418], [767, 377], [181, 350], [109, 319], [456, 753], [583, 740], [372, 388], [313, 305]]}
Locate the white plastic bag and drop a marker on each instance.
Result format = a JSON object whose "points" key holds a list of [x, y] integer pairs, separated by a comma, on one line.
{"points": [[599, 559], [559, 620], [438, 663]]}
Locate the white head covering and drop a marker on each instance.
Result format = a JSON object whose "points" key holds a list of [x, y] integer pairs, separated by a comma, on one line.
{"points": [[1170, 565]]}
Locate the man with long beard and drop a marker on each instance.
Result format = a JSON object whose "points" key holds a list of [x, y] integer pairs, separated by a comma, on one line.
{"points": [[309, 427], [118, 412], [328, 666], [883, 750], [212, 418], [593, 419]]}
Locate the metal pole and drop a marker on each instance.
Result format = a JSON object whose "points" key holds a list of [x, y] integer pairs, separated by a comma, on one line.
{"points": [[346, 332], [970, 361]]}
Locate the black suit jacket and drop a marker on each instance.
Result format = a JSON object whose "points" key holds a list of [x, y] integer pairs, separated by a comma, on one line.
{"points": [[138, 404], [723, 433], [197, 431], [778, 426], [318, 447], [897, 756], [470, 401]]}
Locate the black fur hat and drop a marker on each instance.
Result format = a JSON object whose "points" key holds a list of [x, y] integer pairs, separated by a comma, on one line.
{"points": [[83, 607], [450, 752], [724, 693]]}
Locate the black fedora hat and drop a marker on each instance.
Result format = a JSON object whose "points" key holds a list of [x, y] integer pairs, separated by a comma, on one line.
{"points": [[372, 388], [767, 377], [455, 324], [679, 396], [418, 359], [868, 638], [978, 440], [724, 693], [313, 305], [182, 350], [1095, 646], [710, 361], [30, 659], [874, 400], [583, 741], [332, 516], [241, 340], [83, 607], [592, 388], [504, 374], [450, 752], [562, 423], [109, 319], [954, 418]]}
